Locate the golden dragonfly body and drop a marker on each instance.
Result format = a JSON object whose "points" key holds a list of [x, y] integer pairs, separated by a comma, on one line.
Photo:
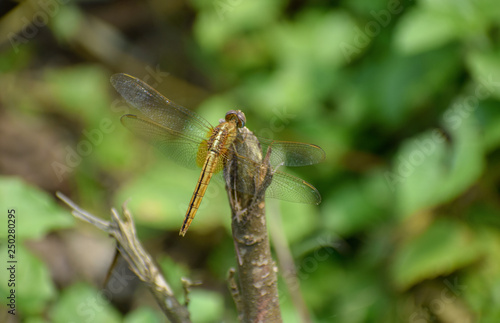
{"points": [[219, 142]]}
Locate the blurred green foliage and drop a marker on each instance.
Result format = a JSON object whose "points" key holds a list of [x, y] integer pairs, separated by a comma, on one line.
{"points": [[81, 303], [403, 96]]}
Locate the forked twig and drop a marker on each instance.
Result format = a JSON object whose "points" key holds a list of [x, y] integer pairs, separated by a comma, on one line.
{"points": [[186, 284], [140, 262]]}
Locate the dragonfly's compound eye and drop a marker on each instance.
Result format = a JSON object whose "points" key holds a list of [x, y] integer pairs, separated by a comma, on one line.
{"points": [[238, 115]]}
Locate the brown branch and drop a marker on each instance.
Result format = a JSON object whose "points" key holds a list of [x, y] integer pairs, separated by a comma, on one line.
{"points": [[140, 262], [258, 291]]}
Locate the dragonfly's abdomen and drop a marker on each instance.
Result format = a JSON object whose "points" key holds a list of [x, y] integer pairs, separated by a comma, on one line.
{"points": [[201, 187], [222, 137]]}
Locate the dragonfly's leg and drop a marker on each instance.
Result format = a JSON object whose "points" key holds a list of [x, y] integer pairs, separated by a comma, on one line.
{"points": [[268, 158], [240, 260], [268, 155], [278, 166], [264, 173], [239, 213]]}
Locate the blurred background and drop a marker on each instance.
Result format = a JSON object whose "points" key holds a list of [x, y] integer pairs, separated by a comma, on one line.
{"points": [[403, 96]]}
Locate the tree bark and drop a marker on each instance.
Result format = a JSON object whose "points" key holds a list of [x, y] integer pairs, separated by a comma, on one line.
{"points": [[258, 299]]}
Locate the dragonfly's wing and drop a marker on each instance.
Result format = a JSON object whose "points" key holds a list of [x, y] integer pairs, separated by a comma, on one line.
{"points": [[160, 109], [177, 146], [289, 153], [292, 189], [283, 186]]}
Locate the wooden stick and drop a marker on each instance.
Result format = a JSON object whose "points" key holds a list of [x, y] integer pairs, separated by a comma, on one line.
{"points": [[257, 279]]}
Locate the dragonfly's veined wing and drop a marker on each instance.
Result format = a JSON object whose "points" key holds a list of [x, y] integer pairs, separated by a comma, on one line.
{"points": [[290, 153], [289, 188], [178, 146], [158, 108]]}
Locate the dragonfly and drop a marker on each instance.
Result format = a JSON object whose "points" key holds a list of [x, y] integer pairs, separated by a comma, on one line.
{"points": [[191, 141]]}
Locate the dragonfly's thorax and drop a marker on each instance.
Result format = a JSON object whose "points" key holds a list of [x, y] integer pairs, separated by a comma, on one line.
{"points": [[222, 137]]}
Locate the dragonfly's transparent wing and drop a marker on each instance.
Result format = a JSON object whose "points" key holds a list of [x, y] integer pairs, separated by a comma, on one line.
{"points": [[290, 153], [177, 146], [158, 108], [292, 189], [295, 154]]}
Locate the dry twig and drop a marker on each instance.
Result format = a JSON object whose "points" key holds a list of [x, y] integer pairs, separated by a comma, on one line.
{"points": [[140, 262]]}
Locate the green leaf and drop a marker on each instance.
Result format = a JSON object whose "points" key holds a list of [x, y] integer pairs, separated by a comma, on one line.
{"points": [[428, 171], [485, 69], [297, 220], [33, 284], [67, 22], [489, 115], [434, 23], [35, 320], [35, 211], [82, 90], [173, 272], [206, 306], [357, 205], [422, 30], [13, 60], [441, 249], [83, 303], [478, 283], [302, 42], [393, 87], [226, 19], [143, 314]]}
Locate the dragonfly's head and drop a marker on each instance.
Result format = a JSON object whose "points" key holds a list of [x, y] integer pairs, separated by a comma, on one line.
{"points": [[238, 116]]}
